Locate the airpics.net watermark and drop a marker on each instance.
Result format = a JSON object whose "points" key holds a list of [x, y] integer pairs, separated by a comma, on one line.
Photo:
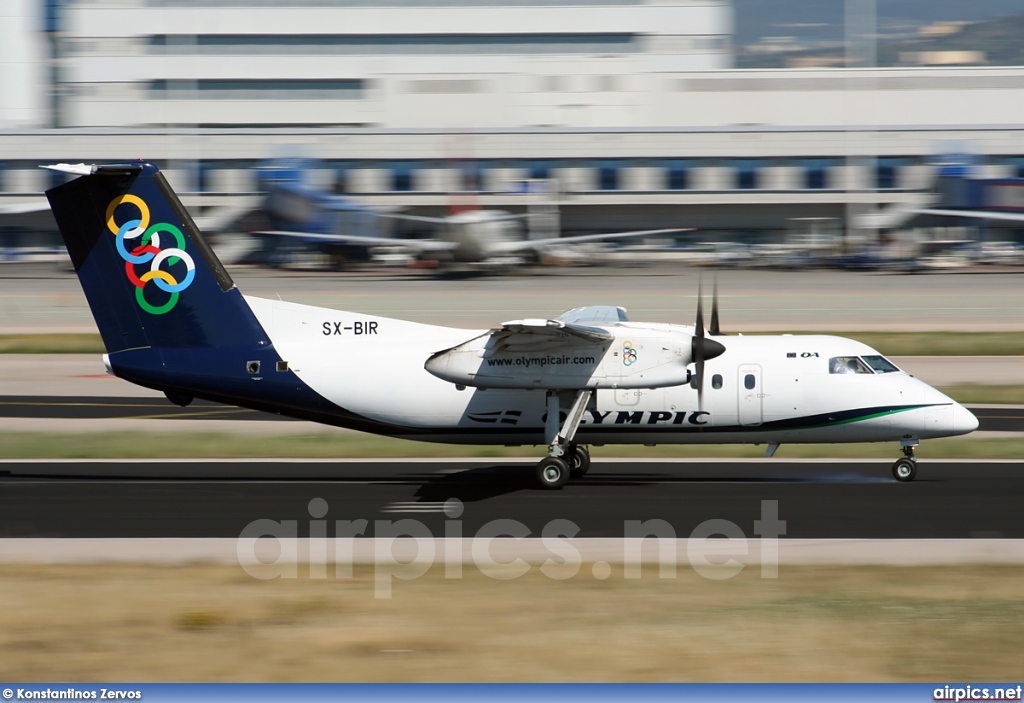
{"points": [[406, 549]]}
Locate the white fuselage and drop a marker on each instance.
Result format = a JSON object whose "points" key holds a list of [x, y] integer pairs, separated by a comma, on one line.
{"points": [[763, 389]]}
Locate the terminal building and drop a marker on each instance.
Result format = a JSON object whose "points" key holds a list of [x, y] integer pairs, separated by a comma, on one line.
{"points": [[625, 113]]}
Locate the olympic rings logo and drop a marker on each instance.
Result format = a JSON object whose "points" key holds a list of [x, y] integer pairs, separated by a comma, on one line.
{"points": [[628, 354], [148, 251]]}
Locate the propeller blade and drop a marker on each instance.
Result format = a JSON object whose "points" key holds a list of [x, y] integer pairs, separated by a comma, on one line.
{"points": [[698, 360], [699, 324], [697, 347], [715, 329], [701, 347]]}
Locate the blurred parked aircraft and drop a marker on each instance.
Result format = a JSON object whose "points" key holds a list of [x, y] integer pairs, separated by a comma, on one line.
{"points": [[470, 236]]}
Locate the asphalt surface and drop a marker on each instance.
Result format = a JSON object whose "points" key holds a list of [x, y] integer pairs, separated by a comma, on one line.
{"points": [[817, 499], [993, 419], [40, 298], [110, 408]]}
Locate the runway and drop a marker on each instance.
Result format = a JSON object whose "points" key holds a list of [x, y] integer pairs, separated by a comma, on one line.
{"points": [[817, 499], [121, 407]]}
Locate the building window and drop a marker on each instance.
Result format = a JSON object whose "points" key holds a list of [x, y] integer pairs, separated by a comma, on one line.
{"points": [[341, 171], [396, 44], [887, 171], [470, 176], [539, 170], [402, 173], [257, 89], [204, 173], [1016, 164], [746, 173], [608, 175], [677, 174], [815, 174]]}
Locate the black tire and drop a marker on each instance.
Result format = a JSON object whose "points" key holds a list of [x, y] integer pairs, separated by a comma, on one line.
{"points": [[552, 473], [579, 463], [904, 470]]}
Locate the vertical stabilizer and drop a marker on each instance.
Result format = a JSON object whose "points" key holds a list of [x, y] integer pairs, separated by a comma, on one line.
{"points": [[150, 277]]}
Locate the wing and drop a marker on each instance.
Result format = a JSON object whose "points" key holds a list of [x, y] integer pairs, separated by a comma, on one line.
{"points": [[537, 244], [445, 220], [532, 332], [425, 245], [412, 218], [601, 314], [975, 214], [525, 354]]}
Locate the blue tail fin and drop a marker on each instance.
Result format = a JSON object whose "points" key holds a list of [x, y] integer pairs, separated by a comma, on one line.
{"points": [[151, 279]]}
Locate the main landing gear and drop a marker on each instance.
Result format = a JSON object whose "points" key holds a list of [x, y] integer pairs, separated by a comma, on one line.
{"points": [[555, 471], [905, 469], [565, 458]]}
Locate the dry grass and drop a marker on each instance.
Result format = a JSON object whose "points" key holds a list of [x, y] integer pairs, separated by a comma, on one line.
{"points": [[56, 343], [214, 623]]}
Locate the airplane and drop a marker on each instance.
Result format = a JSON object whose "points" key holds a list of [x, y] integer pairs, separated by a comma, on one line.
{"points": [[472, 237], [469, 236], [172, 320]]}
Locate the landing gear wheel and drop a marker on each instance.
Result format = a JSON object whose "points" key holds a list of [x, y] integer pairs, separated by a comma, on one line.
{"points": [[904, 470], [579, 463], [552, 473]]}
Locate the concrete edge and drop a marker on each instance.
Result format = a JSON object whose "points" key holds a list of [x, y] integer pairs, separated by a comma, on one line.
{"points": [[271, 552]]}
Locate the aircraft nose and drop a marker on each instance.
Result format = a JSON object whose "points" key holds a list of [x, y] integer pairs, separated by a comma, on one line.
{"points": [[964, 421]]}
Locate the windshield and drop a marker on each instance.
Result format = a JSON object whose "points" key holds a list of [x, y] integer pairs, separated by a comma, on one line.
{"points": [[855, 364], [880, 364], [847, 364]]}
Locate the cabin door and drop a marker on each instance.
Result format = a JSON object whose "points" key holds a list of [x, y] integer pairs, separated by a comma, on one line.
{"points": [[751, 394]]}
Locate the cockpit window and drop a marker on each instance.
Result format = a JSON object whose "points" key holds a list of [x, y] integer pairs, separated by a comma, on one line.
{"points": [[880, 364], [847, 364]]}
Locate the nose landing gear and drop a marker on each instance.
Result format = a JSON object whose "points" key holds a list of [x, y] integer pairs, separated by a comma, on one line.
{"points": [[905, 469]]}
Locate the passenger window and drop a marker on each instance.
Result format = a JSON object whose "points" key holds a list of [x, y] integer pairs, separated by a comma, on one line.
{"points": [[749, 381], [716, 381], [847, 364]]}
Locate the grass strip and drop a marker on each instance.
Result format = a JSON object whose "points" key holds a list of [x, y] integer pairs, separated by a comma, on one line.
{"points": [[344, 444], [119, 622], [51, 344], [888, 343]]}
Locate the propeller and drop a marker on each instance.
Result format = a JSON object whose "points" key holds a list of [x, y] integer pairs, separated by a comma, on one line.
{"points": [[701, 347], [715, 329]]}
